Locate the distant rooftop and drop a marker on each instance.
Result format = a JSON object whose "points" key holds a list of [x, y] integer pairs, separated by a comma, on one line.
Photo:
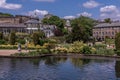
{"points": [[32, 21], [114, 24], [12, 25]]}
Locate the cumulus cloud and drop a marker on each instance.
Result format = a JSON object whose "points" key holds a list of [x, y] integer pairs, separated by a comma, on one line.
{"points": [[37, 12], [45, 0], [85, 14], [109, 8], [5, 5], [91, 4], [69, 17], [110, 11]]}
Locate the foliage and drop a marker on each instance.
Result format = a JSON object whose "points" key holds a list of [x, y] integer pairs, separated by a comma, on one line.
{"points": [[76, 47], [107, 20], [21, 41], [104, 51], [82, 29], [12, 38], [35, 37], [55, 20], [86, 50], [37, 52], [44, 51], [1, 35], [98, 46], [58, 32], [118, 52], [2, 41], [58, 50], [6, 14], [22, 35], [117, 41]]}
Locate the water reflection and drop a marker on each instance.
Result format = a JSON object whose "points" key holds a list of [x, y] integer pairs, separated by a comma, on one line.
{"points": [[117, 69], [57, 68]]}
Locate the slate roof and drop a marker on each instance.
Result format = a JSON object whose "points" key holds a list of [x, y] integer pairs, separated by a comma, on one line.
{"points": [[3, 25], [115, 24]]}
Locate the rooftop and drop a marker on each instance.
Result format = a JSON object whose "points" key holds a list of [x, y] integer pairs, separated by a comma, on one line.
{"points": [[114, 24], [12, 25], [32, 21]]}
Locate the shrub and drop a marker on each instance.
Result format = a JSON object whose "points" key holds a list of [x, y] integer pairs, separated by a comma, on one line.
{"points": [[35, 37], [76, 47], [117, 41], [2, 41], [21, 41], [44, 51], [86, 50], [118, 52], [12, 38], [60, 50], [41, 42]]}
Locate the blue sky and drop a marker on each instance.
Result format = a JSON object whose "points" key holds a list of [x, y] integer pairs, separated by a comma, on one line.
{"points": [[98, 9]]}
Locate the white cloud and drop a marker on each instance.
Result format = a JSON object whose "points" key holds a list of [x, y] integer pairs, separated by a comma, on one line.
{"points": [[110, 11], [85, 14], [91, 4], [37, 12], [110, 8], [45, 0], [5, 5], [69, 17]]}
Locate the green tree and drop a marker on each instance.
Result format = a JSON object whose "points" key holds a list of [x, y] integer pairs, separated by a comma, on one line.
{"points": [[12, 38], [55, 20], [35, 37], [107, 20], [81, 29], [117, 41]]}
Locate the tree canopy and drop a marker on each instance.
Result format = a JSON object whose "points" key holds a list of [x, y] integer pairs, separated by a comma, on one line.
{"points": [[5, 14], [54, 20], [81, 29]]}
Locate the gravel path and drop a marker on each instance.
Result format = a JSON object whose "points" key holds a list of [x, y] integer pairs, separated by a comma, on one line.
{"points": [[9, 52]]}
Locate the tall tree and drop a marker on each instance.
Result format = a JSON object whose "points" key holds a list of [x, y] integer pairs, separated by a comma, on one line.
{"points": [[12, 38], [55, 20], [82, 29]]}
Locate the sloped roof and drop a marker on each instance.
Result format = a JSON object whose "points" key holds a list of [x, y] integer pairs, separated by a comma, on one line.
{"points": [[12, 25], [32, 21], [115, 24]]}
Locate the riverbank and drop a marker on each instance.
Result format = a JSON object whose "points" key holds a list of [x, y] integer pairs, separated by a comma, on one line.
{"points": [[7, 54]]}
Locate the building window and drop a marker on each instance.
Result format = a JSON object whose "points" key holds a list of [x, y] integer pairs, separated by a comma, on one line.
{"points": [[112, 33], [106, 32], [103, 33]]}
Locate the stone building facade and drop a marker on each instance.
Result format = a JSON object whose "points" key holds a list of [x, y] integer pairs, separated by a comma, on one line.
{"points": [[24, 24], [14, 19], [103, 30]]}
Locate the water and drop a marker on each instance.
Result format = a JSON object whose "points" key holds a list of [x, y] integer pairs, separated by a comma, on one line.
{"points": [[56, 68]]}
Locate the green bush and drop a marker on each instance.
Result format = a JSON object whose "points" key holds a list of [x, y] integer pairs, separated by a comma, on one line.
{"points": [[103, 51], [2, 41], [118, 52], [86, 50], [41, 42], [21, 41], [117, 41], [44, 51], [12, 38]]}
